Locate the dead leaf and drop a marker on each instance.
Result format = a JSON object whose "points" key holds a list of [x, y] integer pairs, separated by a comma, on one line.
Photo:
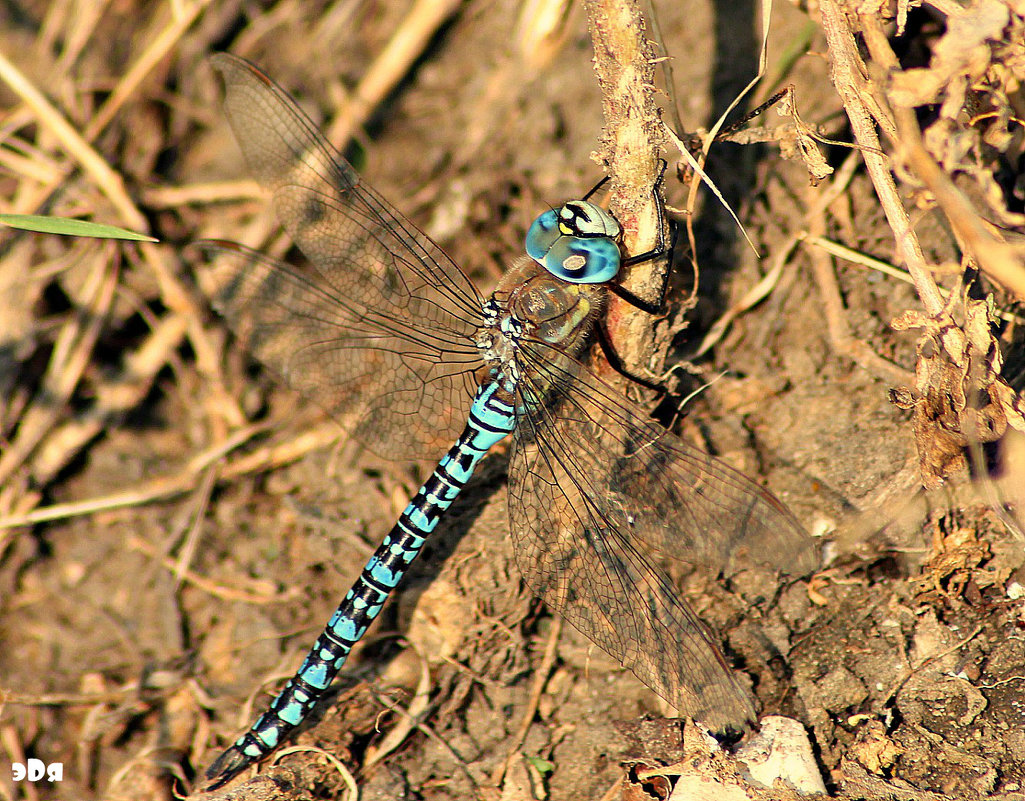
{"points": [[959, 398]]}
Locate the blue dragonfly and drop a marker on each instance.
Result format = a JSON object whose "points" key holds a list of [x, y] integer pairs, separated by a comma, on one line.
{"points": [[383, 327]]}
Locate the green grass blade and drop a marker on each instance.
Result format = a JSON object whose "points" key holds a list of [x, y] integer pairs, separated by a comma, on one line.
{"points": [[68, 226]]}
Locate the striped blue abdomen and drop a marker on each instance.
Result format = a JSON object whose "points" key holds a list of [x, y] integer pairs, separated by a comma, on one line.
{"points": [[491, 419]]}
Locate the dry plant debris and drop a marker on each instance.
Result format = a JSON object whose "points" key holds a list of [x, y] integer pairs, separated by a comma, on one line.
{"points": [[960, 398]]}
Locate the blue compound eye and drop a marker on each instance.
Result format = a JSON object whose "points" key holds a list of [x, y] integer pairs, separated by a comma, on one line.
{"points": [[576, 243], [580, 218], [583, 261], [542, 235]]}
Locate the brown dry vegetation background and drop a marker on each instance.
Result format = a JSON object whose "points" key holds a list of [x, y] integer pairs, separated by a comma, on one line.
{"points": [[177, 527]]}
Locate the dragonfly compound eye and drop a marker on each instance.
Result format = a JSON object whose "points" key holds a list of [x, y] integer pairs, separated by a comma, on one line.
{"points": [[580, 218], [576, 243], [583, 261]]}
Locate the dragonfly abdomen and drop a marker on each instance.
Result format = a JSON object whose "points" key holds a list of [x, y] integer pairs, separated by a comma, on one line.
{"points": [[491, 418]]}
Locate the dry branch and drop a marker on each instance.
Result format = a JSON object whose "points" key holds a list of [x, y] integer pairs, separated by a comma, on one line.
{"points": [[624, 63]]}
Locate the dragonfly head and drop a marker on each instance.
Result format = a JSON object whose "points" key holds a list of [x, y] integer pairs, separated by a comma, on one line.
{"points": [[576, 242]]}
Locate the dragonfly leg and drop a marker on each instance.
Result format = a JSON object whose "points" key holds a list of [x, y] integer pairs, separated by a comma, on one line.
{"points": [[616, 363], [660, 251]]}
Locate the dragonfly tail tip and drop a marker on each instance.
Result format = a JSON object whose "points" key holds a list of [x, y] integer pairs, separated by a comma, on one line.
{"points": [[225, 768]]}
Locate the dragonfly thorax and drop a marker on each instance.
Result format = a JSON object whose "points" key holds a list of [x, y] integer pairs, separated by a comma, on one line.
{"points": [[531, 306], [498, 340]]}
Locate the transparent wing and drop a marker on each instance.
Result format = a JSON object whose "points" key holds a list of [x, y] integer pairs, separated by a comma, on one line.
{"points": [[383, 324], [409, 390], [591, 478]]}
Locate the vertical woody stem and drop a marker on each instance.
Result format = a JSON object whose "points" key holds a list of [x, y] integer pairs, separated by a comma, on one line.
{"points": [[624, 63]]}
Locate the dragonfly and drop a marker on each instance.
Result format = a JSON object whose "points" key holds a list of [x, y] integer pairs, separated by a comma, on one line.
{"points": [[383, 327]]}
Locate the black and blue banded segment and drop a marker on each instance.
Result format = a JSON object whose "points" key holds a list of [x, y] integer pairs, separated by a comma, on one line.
{"points": [[491, 418]]}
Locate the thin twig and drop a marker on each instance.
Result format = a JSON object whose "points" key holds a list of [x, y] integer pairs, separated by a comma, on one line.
{"points": [[183, 15], [536, 690], [392, 63], [93, 163], [183, 481], [848, 77], [933, 658], [68, 362], [840, 336]]}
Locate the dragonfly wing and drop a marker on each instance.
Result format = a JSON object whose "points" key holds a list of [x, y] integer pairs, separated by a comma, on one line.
{"points": [[677, 499], [389, 318], [407, 393], [590, 481]]}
